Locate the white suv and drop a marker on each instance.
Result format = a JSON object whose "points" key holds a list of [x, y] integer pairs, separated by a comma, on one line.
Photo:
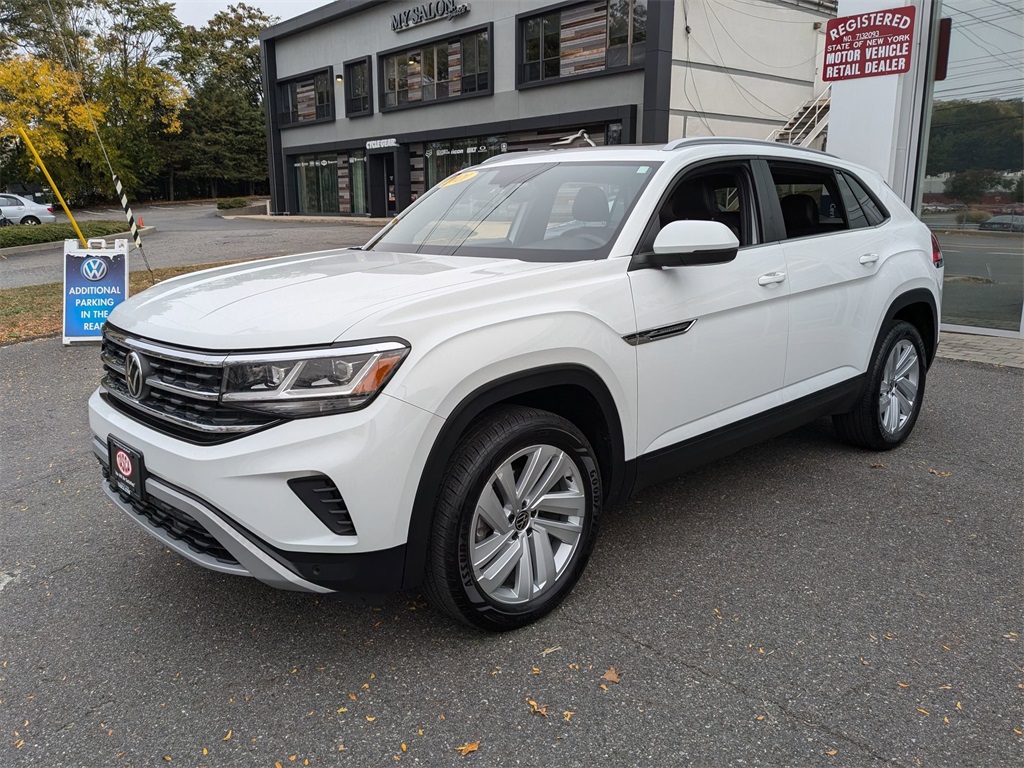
{"points": [[453, 405]]}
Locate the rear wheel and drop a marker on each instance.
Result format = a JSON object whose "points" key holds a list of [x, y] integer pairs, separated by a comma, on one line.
{"points": [[30, 220], [888, 408], [516, 519]]}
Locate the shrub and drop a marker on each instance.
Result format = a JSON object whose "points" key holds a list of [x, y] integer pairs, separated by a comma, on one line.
{"points": [[20, 234], [232, 202], [972, 217]]}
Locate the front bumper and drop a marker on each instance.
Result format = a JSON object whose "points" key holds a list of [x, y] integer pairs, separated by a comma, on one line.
{"points": [[208, 537], [229, 507]]}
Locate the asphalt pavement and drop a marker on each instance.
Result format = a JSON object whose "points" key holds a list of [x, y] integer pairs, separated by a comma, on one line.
{"points": [[193, 233], [801, 603], [984, 279]]}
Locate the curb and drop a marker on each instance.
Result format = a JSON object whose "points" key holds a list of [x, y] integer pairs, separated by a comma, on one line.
{"points": [[5, 252]]}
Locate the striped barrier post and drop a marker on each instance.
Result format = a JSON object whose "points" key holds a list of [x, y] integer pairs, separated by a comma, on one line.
{"points": [[128, 212]]}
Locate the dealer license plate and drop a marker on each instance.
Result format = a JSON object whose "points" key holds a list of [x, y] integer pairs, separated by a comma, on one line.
{"points": [[127, 469]]}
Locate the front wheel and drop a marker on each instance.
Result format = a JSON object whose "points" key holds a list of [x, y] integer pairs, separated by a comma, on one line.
{"points": [[888, 408], [516, 519]]}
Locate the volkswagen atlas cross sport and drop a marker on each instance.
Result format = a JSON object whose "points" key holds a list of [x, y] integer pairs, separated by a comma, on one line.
{"points": [[452, 406]]}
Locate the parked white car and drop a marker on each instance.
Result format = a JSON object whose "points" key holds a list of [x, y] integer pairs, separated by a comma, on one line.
{"points": [[453, 405], [21, 210]]}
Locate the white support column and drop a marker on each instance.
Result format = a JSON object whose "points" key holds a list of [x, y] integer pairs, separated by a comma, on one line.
{"points": [[882, 122]]}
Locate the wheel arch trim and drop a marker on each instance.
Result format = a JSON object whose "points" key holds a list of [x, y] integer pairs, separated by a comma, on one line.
{"points": [[478, 401], [910, 298]]}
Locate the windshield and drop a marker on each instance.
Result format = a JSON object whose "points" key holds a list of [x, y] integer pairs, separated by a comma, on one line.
{"points": [[537, 212]]}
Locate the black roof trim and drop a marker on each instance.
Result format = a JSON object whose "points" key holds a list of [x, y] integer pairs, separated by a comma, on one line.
{"points": [[318, 16]]}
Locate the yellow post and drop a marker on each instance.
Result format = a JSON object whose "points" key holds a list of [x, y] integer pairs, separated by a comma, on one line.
{"points": [[39, 162]]}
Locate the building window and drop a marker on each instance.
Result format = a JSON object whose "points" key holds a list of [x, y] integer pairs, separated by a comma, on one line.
{"points": [[438, 70], [316, 183], [582, 39], [307, 99], [358, 86]]}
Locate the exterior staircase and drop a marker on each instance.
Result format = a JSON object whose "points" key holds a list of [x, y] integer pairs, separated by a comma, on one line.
{"points": [[809, 126]]}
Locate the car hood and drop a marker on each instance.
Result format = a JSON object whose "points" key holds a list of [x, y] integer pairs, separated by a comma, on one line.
{"points": [[299, 300]]}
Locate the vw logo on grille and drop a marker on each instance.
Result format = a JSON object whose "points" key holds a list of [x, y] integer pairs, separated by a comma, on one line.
{"points": [[135, 375], [94, 269]]}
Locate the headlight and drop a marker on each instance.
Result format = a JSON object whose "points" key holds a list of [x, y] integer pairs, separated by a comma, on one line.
{"points": [[311, 382]]}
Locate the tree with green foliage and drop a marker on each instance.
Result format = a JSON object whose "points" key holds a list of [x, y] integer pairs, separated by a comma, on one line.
{"points": [[968, 135], [224, 136], [971, 186]]}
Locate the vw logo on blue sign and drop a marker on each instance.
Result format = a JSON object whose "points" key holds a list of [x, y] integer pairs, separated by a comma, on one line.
{"points": [[94, 269]]}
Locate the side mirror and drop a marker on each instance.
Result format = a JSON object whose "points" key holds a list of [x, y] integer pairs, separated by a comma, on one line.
{"points": [[689, 244]]}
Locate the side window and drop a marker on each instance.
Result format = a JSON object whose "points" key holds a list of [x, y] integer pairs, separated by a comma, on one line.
{"points": [[721, 193], [873, 212], [810, 199]]}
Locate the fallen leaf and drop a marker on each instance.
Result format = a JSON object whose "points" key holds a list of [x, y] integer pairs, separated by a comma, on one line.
{"points": [[292, 758], [419, 732], [21, 743], [546, 651], [537, 709], [759, 718], [465, 749], [278, 765], [923, 711], [611, 675], [205, 751], [942, 473], [1018, 731], [366, 686], [947, 648], [959, 705], [370, 719], [536, 670], [441, 716], [878, 465], [831, 752], [604, 687], [946, 720], [228, 737], [405, 748], [167, 758], [352, 696], [342, 709], [903, 685]]}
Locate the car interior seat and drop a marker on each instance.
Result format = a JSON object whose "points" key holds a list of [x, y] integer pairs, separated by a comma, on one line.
{"points": [[800, 214]]}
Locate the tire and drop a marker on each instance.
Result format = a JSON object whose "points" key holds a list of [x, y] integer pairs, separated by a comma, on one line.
{"points": [[888, 407], [521, 497], [30, 221]]}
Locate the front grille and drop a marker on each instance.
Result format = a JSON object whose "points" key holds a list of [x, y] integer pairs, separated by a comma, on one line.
{"points": [[182, 394], [178, 524]]}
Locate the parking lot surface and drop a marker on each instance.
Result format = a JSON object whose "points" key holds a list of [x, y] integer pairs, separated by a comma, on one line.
{"points": [[801, 603]]}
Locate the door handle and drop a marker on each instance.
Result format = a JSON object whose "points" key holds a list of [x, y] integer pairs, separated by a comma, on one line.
{"points": [[869, 258], [771, 278]]}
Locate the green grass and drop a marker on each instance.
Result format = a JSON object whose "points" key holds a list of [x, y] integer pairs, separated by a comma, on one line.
{"points": [[31, 311], [20, 234]]}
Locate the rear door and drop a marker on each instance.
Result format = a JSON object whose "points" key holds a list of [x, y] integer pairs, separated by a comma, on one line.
{"points": [[711, 341], [834, 242]]}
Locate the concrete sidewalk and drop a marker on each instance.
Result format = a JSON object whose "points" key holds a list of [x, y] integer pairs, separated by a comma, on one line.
{"points": [[994, 350]]}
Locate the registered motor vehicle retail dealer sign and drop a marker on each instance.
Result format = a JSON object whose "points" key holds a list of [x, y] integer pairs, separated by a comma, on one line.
{"points": [[95, 281], [869, 44]]}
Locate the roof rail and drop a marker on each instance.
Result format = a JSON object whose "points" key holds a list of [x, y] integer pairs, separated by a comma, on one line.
{"points": [[700, 141]]}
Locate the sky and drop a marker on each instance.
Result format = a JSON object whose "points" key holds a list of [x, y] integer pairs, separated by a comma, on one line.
{"points": [[986, 51], [198, 12]]}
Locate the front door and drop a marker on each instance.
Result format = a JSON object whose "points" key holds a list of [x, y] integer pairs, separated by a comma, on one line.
{"points": [[723, 355]]}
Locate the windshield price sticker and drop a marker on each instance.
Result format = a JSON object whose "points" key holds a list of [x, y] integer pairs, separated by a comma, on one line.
{"points": [[869, 44], [458, 178]]}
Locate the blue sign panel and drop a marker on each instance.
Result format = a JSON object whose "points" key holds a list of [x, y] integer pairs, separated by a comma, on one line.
{"points": [[95, 281]]}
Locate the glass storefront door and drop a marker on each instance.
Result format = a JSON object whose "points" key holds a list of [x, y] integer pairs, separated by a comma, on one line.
{"points": [[316, 183], [357, 182]]}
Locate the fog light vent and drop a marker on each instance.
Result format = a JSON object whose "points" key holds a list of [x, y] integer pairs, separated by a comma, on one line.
{"points": [[324, 500]]}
